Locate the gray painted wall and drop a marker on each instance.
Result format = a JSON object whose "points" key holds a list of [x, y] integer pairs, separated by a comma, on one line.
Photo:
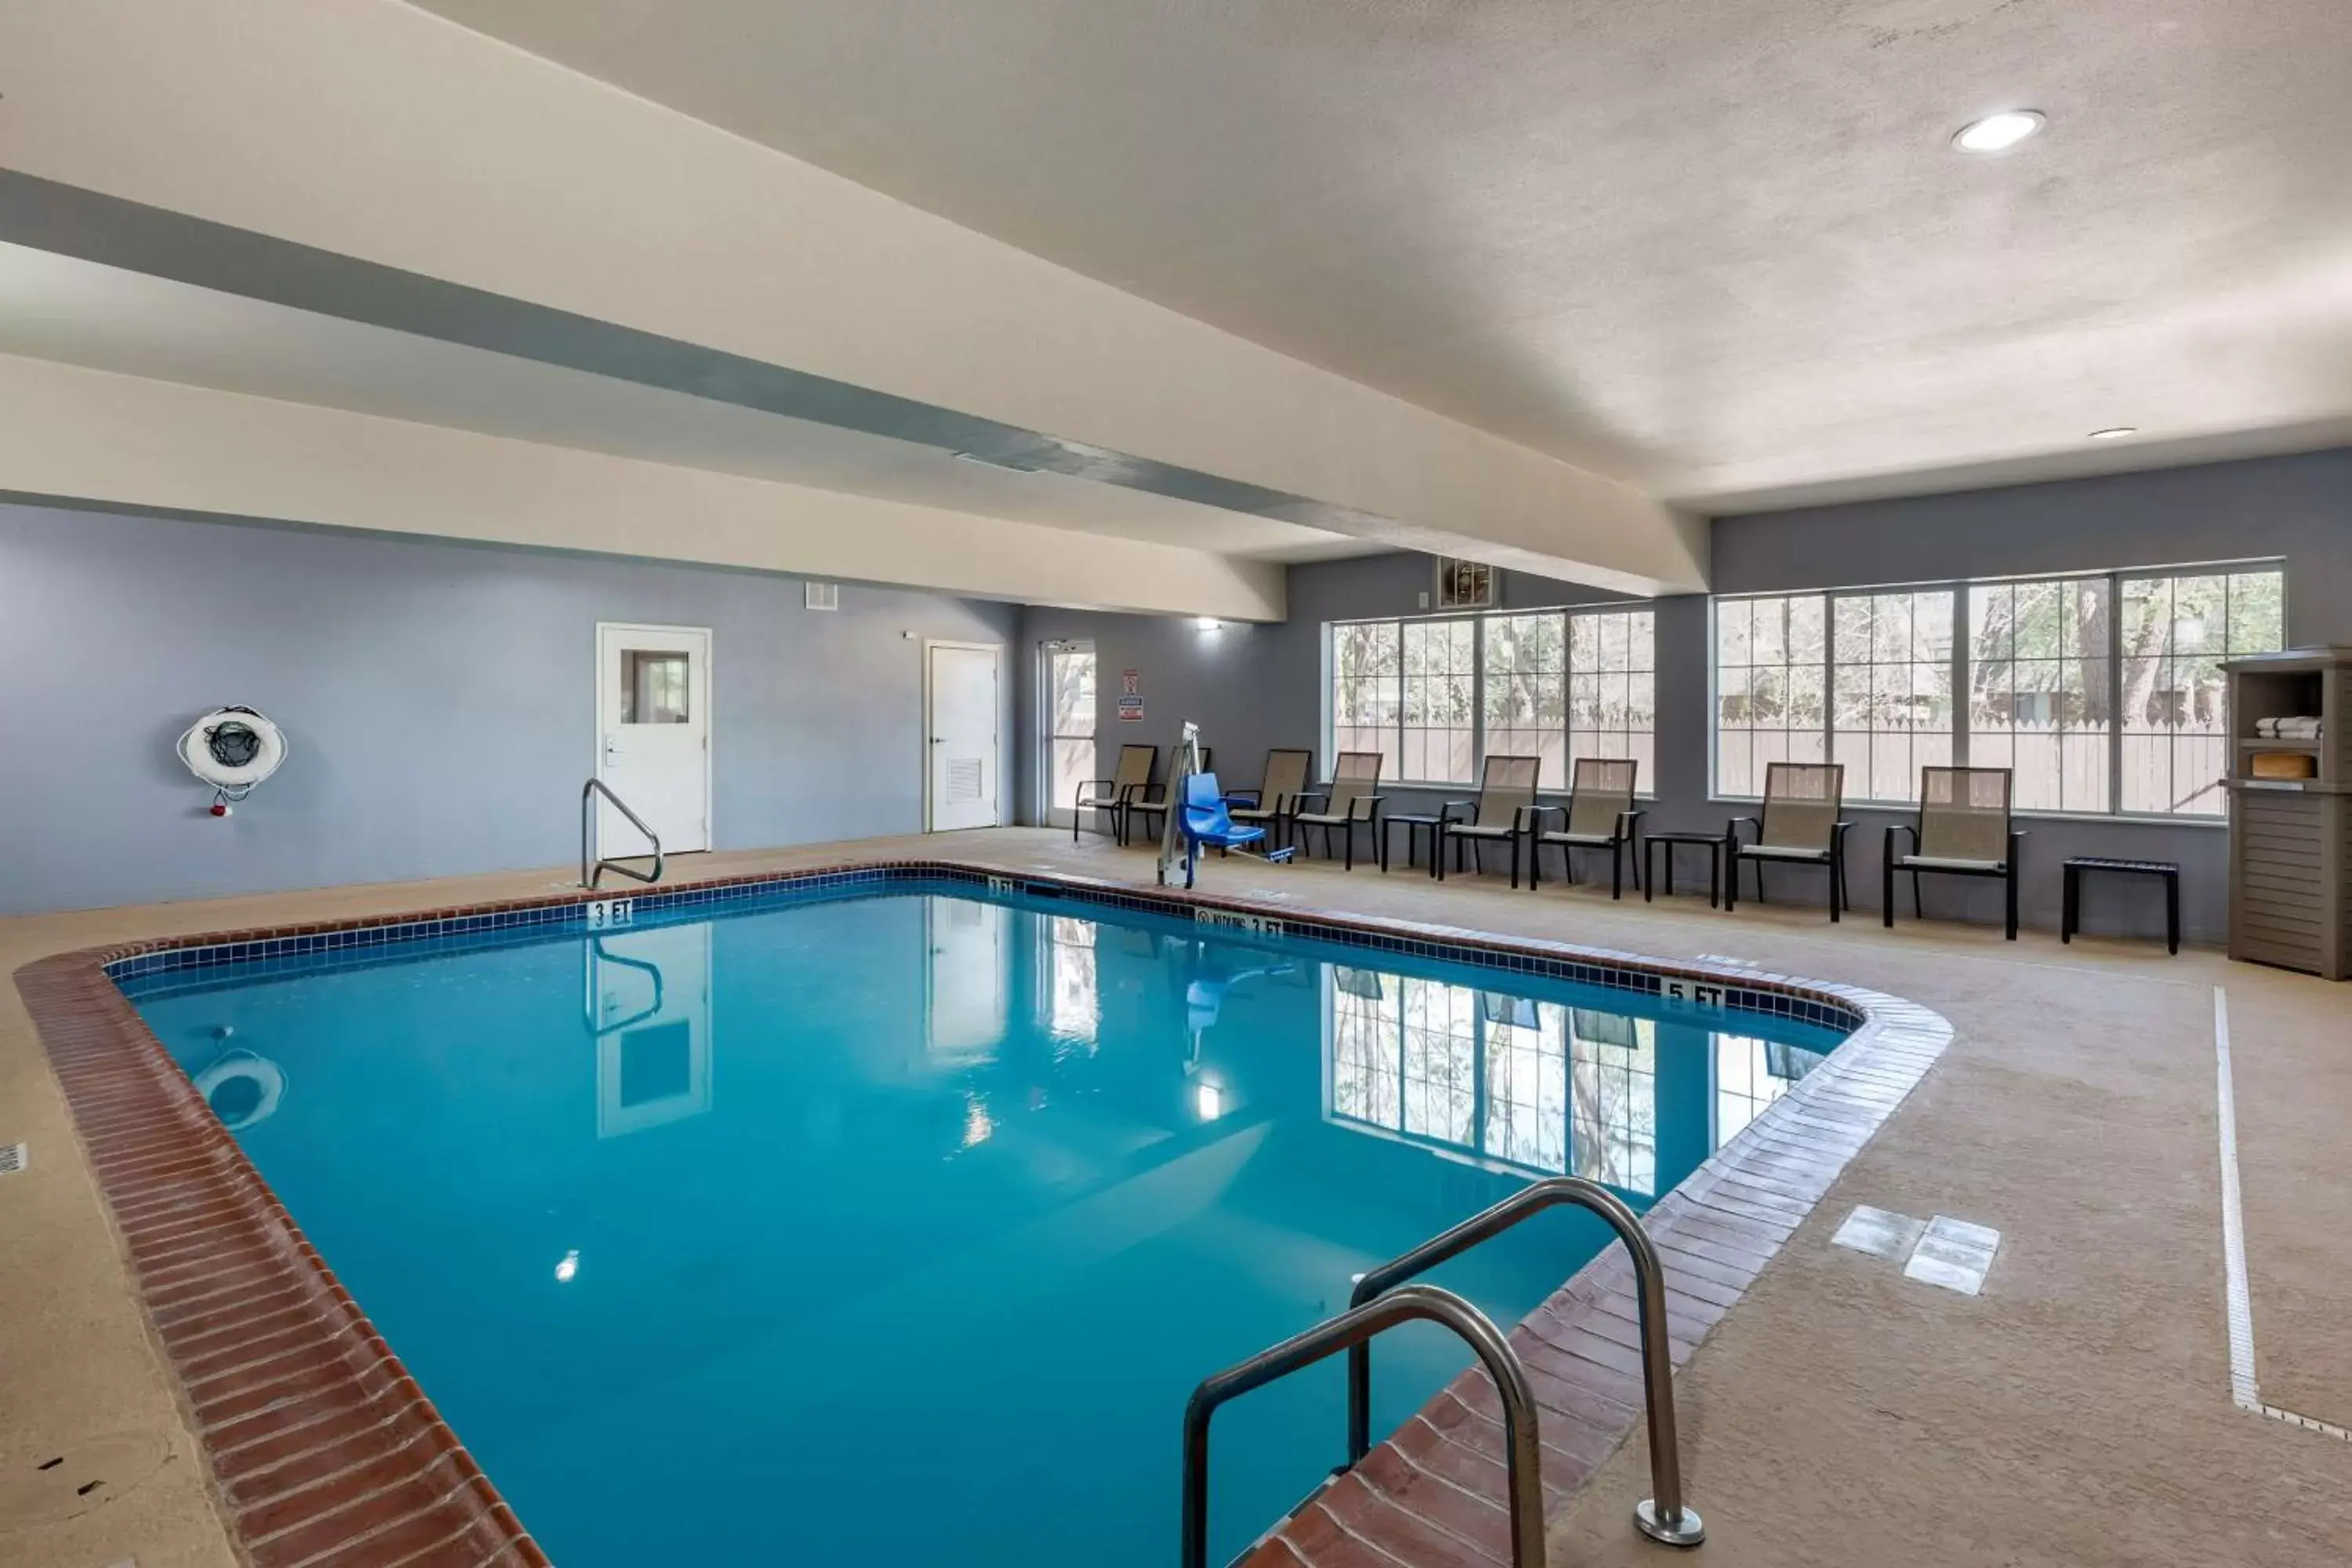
{"points": [[1259, 686], [439, 701]]}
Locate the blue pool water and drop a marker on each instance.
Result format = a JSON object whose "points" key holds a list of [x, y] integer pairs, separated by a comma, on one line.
{"points": [[897, 1227]]}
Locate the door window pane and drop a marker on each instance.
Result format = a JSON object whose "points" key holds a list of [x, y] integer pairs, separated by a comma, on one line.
{"points": [[653, 686], [1070, 716]]}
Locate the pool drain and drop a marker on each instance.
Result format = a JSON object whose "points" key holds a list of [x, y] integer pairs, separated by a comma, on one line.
{"points": [[12, 1158], [42, 1488]]}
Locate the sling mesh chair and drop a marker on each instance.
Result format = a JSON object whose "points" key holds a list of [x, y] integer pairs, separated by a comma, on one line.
{"points": [[1271, 805], [1110, 795], [1504, 812], [1963, 830], [1800, 826], [1354, 797], [1152, 800], [1599, 815]]}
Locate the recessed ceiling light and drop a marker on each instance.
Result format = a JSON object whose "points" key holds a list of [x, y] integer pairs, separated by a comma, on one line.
{"points": [[2115, 432], [1999, 132]]}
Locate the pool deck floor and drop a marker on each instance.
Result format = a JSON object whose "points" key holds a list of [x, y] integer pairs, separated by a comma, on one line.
{"points": [[2078, 1412]]}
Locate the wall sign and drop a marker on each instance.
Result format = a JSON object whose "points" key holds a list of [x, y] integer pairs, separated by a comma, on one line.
{"points": [[1131, 698]]}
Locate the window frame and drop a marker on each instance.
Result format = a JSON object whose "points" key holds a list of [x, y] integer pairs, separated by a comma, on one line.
{"points": [[1963, 639], [1328, 748]]}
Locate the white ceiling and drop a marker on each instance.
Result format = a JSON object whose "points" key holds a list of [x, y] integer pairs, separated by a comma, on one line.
{"points": [[104, 318], [1726, 251]]}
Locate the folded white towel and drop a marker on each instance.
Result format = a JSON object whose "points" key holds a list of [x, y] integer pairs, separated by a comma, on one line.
{"points": [[2266, 729], [2301, 728]]}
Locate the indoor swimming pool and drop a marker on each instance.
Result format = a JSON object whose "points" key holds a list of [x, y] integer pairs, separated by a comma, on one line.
{"points": [[897, 1224]]}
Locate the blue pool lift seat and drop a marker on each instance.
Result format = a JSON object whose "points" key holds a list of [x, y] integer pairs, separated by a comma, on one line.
{"points": [[1205, 820]]}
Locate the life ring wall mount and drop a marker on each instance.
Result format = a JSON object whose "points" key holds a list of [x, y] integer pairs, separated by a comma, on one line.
{"points": [[232, 749]]}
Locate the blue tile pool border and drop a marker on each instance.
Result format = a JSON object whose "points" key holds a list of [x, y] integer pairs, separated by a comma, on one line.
{"points": [[1741, 989]]}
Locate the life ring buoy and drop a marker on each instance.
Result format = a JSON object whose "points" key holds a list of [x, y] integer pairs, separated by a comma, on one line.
{"points": [[238, 1068], [233, 749]]}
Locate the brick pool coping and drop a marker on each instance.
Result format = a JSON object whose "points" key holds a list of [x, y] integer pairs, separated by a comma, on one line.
{"points": [[323, 1450]]}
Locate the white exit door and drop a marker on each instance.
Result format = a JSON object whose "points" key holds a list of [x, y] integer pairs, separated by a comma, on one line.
{"points": [[653, 736], [961, 693]]}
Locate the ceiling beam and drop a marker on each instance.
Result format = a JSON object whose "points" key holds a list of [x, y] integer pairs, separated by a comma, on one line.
{"points": [[82, 435], [380, 162]]}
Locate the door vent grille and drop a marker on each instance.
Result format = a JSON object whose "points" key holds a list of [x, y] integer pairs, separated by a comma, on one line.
{"points": [[963, 779], [12, 1158], [822, 595]]}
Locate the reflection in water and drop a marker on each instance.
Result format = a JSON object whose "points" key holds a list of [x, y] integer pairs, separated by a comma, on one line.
{"points": [[648, 1005], [1751, 1074], [1073, 999], [1533, 1084]]}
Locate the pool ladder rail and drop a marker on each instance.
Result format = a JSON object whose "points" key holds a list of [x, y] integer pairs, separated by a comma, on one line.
{"points": [[591, 870], [1382, 1298]]}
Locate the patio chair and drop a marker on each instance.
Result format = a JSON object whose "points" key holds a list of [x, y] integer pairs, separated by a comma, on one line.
{"points": [[1353, 798], [1270, 805], [1800, 826], [1110, 795], [1504, 813], [1152, 800], [1963, 830], [1599, 815]]}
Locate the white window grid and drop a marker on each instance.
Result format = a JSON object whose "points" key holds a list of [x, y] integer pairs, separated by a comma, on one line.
{"points": [[1781, 704]]}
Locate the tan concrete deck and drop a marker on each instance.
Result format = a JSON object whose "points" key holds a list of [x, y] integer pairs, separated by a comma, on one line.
{"points": [[2077, 1413]]}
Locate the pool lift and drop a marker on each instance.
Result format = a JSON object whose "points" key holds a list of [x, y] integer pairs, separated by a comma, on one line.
{"points": [[1197, 814]]}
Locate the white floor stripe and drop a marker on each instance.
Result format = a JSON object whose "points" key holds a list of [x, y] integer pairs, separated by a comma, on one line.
{"points": [[2233, 1222], [2242, 1390]]}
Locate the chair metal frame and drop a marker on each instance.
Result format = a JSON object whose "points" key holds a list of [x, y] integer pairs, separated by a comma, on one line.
{"points": [[1362, 809], [1625, 833], [1113, 802], [1477, 832], [1758, 853], [2006, 869]]}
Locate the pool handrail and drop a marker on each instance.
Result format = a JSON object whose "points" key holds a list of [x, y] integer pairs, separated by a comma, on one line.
{"points": [[593, 872], [1522, 1451], [1662, 1516]]}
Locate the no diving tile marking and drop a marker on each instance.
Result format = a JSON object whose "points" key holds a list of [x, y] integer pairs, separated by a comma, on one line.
{"points": [[2244, 1392], [1952, 1253]]}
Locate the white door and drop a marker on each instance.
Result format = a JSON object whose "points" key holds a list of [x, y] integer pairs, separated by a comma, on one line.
{"points": [[653, 738], [961, 692]]}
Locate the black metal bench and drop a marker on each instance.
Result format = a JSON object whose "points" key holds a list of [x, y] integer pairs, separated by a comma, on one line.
{"points": [[2070, 918]]}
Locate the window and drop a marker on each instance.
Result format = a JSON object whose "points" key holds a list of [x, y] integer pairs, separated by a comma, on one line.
{"points": [[1433, 697], [1890, 690], [1612, 687], [1439, 670], [1068, 674], [1771, 661], [1614, 1073], [1365, 700], [1527, 690], [2175, 631], [2100, 692], [2038, 689]]}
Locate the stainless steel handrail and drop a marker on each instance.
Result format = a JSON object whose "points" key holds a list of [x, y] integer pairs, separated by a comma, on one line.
{"points": [[592, 871], [1662, 1516], [1522, 1452]]}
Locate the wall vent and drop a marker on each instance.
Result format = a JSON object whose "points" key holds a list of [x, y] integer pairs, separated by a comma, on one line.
{"points": [[12, 1158], [822, 595]]}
